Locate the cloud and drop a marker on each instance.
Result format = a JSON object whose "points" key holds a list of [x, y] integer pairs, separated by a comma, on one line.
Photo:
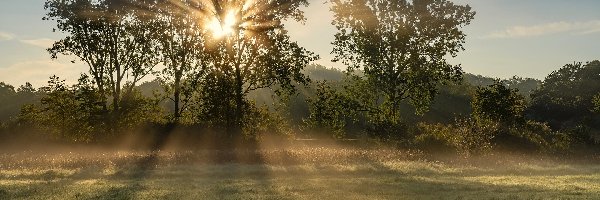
{"points": [[37, 72], [576, 28], [6, 36], [41, 42]]}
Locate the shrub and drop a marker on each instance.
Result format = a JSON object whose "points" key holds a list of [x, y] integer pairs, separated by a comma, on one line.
{"points": [[499, 103], [260, 122], [330, 111], [466, 136]]}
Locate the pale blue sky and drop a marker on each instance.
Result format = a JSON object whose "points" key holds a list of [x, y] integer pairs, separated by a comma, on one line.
{"points": [[528, 38]]}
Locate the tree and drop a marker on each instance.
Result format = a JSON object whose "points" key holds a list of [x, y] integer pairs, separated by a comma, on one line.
{"points": [[249, 50], [329, 111], [7, 96], [566, 101], [499, 103], [6, 90], [566, 95], [112, 37], [65, 112], [401, 46], [182, 46], [525, 86], [596, 102], [12, 99]]}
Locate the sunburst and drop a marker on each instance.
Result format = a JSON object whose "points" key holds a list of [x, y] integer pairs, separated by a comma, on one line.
{"points": [[223, 27], [239, 18]]}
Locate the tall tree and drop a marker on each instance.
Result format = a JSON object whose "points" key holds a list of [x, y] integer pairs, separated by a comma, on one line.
{"points": [[250, 49], [182, 46], [401, 46], [111, 36]]}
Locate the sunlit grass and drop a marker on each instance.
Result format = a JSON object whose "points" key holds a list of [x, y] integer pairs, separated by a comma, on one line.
{"points": [[303, 173]]}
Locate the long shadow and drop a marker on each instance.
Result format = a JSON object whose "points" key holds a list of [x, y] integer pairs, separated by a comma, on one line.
{"points": [[248, 176], [142, 168], [246, 171]]}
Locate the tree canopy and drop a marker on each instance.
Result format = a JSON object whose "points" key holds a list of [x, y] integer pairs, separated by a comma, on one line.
{"points": [[402, 46], [249, 50], [113, 37], [567, 94]]}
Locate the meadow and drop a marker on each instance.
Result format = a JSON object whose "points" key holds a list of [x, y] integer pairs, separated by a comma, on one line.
{"points": [[292, 173]]}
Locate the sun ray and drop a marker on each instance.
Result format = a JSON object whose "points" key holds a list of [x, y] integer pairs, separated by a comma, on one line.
{"points": [[223, 26]]}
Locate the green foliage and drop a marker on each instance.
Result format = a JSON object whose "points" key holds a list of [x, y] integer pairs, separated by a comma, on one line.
{"points": [[76, 113], [261, 123], [65, 112], [596, 102], [566, 100], [497, 121], [524, 86], [330, 111], [318, 72], [401, 46], [567, 94], [539, 137], [499, 103], [258, 53], [136, 111], [466, 136], [114, 38], [395, 52], [182, 47], [12, 100], [453, 100]]}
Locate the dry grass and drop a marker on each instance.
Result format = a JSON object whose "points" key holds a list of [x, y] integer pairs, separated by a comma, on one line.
{"points": [[299, 173]]}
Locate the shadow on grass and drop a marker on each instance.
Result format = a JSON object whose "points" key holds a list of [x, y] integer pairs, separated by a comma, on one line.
{"points": [[255, 173]]}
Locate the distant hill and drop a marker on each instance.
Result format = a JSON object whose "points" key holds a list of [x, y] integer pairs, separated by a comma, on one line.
{"points": [[452, 99]]}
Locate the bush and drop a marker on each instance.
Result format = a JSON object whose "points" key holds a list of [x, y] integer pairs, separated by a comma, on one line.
{"points": [[261, 123], [499, 103], [386, 130], [331, 112], [467, 136], [78, 113]]}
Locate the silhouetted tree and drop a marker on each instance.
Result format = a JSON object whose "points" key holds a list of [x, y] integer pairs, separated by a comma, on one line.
{"points": [[330, 111], [401, 46], [181, 35], [566, 95], [249, 50], [75, 113], [12, 99], [61, 114], [112, 37], [566, 100], [499, 103], [524, 86]]}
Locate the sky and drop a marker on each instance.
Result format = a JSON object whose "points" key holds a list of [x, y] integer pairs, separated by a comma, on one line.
{"points": [[528, 38]]}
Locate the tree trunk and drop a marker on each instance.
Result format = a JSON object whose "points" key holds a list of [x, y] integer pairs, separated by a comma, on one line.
{"points": [[239, 101], [117, 91], [177, 95]]}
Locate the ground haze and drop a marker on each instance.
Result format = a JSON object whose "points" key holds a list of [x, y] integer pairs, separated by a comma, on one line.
{"points": [[294, 173]]}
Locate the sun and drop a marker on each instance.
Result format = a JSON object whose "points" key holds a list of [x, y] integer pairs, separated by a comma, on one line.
{"points": [[223, 27]]}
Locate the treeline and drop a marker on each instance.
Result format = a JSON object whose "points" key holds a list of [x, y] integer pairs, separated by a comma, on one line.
{"points": [[475, 115], [228, 70]]}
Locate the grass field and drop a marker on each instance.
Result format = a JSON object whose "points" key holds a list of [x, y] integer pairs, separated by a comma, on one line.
{"points": [[300, 173]]}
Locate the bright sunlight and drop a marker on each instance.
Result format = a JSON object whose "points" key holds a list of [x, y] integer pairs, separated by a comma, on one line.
{"points": [[299, 99], [223, 27]]}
